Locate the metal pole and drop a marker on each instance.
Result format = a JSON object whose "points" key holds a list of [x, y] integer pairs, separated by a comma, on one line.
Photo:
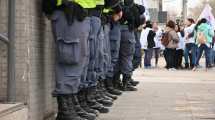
{"points": [[160, 5], [11, 85], [184, 7]]}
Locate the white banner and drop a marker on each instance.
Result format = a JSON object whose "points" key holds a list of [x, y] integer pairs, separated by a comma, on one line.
{"points": [[207, 13]]}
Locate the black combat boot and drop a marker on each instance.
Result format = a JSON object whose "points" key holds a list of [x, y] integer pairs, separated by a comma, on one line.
{"points": [[126, 85], [92, 103], [117, 84], [66, 110], [80, 111], [133, 82], [105, 92], [110, 88], [83, 102], [100, 92], [102, 99]]}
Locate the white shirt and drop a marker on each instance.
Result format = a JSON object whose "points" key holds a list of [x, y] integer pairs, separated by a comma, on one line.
{"points": [[187, 31], [157, 39], [143, 38], [181, 44]]}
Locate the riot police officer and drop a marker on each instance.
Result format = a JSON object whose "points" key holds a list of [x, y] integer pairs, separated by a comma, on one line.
{"points": [[129, 23], [71, 28]]}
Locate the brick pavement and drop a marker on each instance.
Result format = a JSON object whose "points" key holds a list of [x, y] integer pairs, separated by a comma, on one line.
{"points": [[168, 95]]}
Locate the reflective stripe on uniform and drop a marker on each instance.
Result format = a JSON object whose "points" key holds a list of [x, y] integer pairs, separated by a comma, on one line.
{"points": [[82, 3], [86, 3], [100, 2]]}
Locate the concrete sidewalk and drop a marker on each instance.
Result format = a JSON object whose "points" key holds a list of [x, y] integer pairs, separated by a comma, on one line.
{"points": [[168, 95]]}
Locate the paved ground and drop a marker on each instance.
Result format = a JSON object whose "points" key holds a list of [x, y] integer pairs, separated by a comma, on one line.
{"points": [[168, 95]]}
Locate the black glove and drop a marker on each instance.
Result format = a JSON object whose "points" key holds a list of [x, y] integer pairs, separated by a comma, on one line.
{"points": [[105, 18], [111, 3], [69, 12], [49, 6], [79, 12]]}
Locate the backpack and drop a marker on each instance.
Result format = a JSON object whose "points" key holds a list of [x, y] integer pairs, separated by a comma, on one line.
{"points": [[201, 38], [150, 39], [165, 39], [49, 6]]}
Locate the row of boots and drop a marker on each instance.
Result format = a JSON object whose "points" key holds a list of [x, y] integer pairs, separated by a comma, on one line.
{"points": [[90, 102]]}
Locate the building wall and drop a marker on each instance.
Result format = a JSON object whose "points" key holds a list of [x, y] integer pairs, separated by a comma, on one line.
{"points": [[3, 51], [34, 58], [153, 4]]}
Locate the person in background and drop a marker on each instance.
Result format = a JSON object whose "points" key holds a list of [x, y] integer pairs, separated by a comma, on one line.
{"points": [[181, 46], [204, 37], [213, 59], [170, 50], [157, 40], [147, 39], [190, 46]]}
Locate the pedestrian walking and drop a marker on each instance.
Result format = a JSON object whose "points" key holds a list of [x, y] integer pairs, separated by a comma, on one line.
{"points": [[71, 31], [213, 58], [157, 39], [148, 43], [190, 46], [204, 37], [180, 48], [170, 50]]}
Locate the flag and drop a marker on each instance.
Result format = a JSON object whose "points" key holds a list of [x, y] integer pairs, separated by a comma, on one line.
{"points": [[207, 13]]}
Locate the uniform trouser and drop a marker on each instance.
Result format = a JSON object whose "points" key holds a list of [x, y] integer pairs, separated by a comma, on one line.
{"points": [[115, 37], [89, 78], [126, 53], [137, 55], [71, 52], [99, 64], [108, 68]]}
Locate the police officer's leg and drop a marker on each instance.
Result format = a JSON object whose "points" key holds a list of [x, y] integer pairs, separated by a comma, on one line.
{"points": [[109, 66], [83, 91], [90, 92], [69, 65], [91, 77], [126, 56], [115, 38], [137, 56]]}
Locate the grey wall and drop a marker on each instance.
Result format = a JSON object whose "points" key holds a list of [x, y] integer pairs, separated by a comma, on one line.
{"points": [[34, 58]]}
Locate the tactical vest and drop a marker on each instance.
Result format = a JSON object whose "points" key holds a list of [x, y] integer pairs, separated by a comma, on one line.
{"points": [[82, 3]]}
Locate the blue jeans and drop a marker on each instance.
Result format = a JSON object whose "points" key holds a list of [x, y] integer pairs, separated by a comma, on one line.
{"points": [[213, 58], [190, 47], [148, 57], [207, 51]]}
